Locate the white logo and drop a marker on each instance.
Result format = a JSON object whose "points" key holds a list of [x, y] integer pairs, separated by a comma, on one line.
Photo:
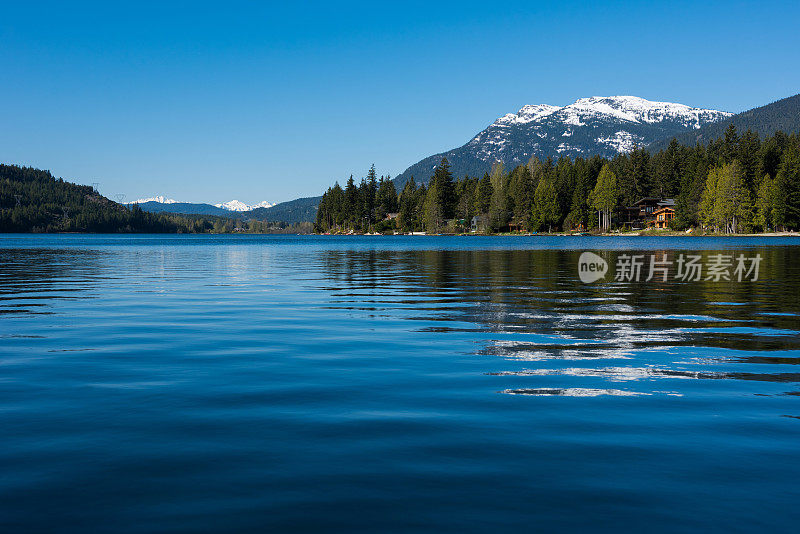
{"points": [[591, 267]]}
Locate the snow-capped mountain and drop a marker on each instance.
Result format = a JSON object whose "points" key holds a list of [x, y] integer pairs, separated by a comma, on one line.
{"points": [[160, 199], [236, 205], [605, 126], [233, 205]]}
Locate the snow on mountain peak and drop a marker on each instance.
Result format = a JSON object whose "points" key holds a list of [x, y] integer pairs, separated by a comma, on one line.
{"points": [[262, 204], [637, 110], [625, 109], [160, 199], [237, 205], [598, 125], [233, 205], [604, 125], [528, 113]]}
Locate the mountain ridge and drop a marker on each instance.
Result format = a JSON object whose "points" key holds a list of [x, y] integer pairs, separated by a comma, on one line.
{"points": [[782, 114], [598, 125]]}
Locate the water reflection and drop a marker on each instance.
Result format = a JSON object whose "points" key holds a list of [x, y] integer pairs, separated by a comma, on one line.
{"points": [[288, 384], [531, 308], [32, 279]]}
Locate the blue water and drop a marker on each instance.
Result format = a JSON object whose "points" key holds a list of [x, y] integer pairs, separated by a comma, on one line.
{"points": [[398, 384]]}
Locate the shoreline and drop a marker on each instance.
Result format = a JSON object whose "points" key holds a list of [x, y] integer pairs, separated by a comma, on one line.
{"points": [[568, 234], [423, 234]]}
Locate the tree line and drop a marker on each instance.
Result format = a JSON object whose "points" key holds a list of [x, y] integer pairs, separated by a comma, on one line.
{"points": [[737, 183], [32, 200]]}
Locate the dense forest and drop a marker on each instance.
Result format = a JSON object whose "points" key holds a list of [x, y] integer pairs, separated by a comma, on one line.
{"points": [[737, 183], [32, 200]]}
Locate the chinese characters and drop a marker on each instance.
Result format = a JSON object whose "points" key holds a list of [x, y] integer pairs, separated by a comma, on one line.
{"points": [[687, 267]]}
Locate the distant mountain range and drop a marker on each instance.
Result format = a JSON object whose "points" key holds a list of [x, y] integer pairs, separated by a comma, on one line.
{"points": [[603, 126], [232, 205], [236, 205], [294, 211], [186, 208]]}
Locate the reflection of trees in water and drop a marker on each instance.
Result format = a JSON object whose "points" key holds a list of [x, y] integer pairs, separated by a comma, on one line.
{"points": [[30, 279], [535, 312], [538, 291]]}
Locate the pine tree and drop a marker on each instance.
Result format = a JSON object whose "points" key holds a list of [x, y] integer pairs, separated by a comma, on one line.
{"points": [[708, 201], [434, 211], [748, 157], [565, 180], [667, 171], [419, 208], [726, 203], [634, 182], [545, 207], [386, 198], [787, 182], [498, 206], [442, 183], [465, 195], [483, 197], [408, 202], [604, 196], [352, 203], [733, 207], [523, 192], [765, 203], [730, 144]]}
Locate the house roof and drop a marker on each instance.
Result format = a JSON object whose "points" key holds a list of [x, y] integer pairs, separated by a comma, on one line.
{"points": [[664, 209], [646, 200]]}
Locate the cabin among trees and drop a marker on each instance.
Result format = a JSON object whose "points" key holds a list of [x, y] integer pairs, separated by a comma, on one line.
{"points": [[647, 212], [737, 183], [663, 217]]}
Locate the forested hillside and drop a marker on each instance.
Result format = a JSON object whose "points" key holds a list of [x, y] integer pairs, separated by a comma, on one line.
{"points": [[734, 184], [292, 212], [783, 115], [32, 200]]}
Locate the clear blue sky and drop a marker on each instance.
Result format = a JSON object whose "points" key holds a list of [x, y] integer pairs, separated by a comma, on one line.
{"points": [[214, 101]]}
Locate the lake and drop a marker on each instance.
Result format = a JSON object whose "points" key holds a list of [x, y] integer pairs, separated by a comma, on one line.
{"points": [[395, 384]]}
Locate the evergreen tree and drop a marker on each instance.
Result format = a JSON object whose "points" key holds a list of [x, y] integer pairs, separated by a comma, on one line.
{"points": [[708, 201], [545, 208], [386, 199], [434, 211], [442, 183], [667, 171], [726, 201], [565, 180], [693, 182], [766, 201], [408, 203], [730, 144], [787, 205], [634, 182], [465, 195], [352, 203], [747, 155], [604, 196], [498, 206], [483, 196], [419, 208], [523, 191]]}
